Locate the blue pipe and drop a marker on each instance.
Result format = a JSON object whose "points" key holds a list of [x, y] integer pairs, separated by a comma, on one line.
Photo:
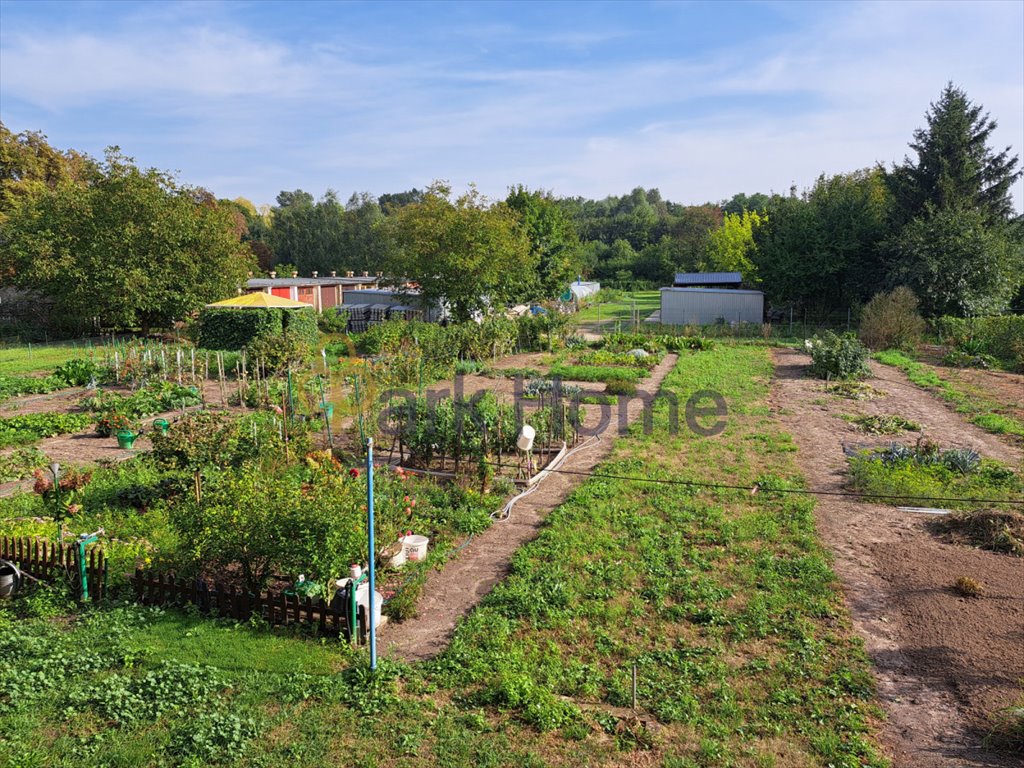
{"points": [[369, 524]]}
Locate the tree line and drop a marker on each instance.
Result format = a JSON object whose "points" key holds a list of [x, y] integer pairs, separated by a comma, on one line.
{"points": [[118, 246]]}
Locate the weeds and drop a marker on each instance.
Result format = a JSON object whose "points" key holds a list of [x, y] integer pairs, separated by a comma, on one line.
{"points": [[965, 586], [886, 425]]}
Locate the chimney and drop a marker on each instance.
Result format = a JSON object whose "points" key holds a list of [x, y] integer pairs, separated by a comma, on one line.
{"points": [[315, 273], [273, 275], [350, 273], [334, 273], [250, 274], [380, 274], [295, 274], [365, 273]]}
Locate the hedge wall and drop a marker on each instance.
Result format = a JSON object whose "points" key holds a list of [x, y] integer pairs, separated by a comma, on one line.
{"points": [[301, 325]]}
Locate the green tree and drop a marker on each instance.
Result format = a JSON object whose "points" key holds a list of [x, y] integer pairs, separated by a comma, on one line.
{"points": [[823, 250], [126, 248], [960, 243], [955, 168], [554, 243], [741, 202], [957, 262], [730, 246], [467, 252], [309, 234]]}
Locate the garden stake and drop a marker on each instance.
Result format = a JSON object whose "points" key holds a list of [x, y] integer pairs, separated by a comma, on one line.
{"points": [[369, 530], [323, 407], [634, 687]]}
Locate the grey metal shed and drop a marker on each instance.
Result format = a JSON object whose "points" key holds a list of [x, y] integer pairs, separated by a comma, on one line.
{"points": [[707, 306]]}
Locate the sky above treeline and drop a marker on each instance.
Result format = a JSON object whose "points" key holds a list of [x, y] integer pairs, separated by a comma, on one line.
{"points": [[701, 100]]}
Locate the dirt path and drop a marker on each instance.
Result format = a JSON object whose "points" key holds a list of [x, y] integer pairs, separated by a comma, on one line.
{"points": [[941, 661], [452, 593]]}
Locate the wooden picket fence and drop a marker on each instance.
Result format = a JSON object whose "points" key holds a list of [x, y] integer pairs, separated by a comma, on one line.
{"points": [[46, 560], [240, 604]]}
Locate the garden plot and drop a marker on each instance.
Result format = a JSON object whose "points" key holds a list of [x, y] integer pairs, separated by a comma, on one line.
{"points": [[450, 594], [944, 662]]}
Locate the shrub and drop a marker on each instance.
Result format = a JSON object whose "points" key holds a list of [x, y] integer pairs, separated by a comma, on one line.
{"points": [[891, 321], [620, 387], [301, 325], [1000, 336], [838, 357], [333, 320], [233, 329], [277, 351]]}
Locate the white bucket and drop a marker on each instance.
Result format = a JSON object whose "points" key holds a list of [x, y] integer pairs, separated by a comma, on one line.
{"points": [[415, 547], [525, 440], [363, 599], [398, 559]]}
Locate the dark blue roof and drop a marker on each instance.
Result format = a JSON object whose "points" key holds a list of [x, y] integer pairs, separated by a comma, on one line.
{"points": [[708, 278]]}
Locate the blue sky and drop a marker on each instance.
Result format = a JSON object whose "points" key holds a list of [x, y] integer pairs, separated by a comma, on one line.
{"points": [[701, 100]]}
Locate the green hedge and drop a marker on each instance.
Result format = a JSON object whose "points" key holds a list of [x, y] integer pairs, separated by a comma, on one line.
{"points": [[1001, 336], [234, 329], [301, 325]]}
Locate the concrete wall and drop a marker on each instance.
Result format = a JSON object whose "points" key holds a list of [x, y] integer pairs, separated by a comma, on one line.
{"points": [[706, 306]]}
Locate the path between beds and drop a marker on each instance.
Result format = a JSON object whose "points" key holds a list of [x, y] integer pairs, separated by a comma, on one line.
{"points": [[940, 660], [452, 592]]}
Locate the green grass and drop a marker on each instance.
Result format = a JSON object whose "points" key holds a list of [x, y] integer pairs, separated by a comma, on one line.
{"points": [[36, 358], [920, 484], [979, 409], [724, 601], [620, 310]]}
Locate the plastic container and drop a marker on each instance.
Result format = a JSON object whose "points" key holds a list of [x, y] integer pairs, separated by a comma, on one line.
{"points": [[10, 579], [162, 425], [126, 439], [363, 599], [525, 440], [398, 559], [415, 547]]}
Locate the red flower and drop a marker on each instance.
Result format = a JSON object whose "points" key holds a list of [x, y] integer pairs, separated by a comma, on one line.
{"points": [[353, 472]]}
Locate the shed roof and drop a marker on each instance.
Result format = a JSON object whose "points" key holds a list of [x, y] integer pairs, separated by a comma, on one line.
{"points": [[708, 278]]}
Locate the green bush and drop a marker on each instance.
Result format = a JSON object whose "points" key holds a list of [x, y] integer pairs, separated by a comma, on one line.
{"points": [[620, 387], [838, 357], [301, 325], [1000, 336], [233, 329], [891, 321]]}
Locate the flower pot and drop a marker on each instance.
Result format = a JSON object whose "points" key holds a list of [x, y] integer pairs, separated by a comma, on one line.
{"points": [[162, 425], [126, 439]]}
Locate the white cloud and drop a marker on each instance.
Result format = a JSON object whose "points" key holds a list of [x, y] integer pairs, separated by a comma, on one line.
{"points": [[247, 115]]}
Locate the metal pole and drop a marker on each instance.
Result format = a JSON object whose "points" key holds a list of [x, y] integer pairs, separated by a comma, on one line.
{"points": [[369, 528]]}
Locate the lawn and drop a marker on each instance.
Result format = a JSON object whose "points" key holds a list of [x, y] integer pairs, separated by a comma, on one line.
{"points": [[723, 601], [621, 308], [37, 358]]}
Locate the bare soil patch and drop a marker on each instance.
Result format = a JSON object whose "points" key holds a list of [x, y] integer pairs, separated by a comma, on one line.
{"points": [[942, 661], [451, 593]]}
